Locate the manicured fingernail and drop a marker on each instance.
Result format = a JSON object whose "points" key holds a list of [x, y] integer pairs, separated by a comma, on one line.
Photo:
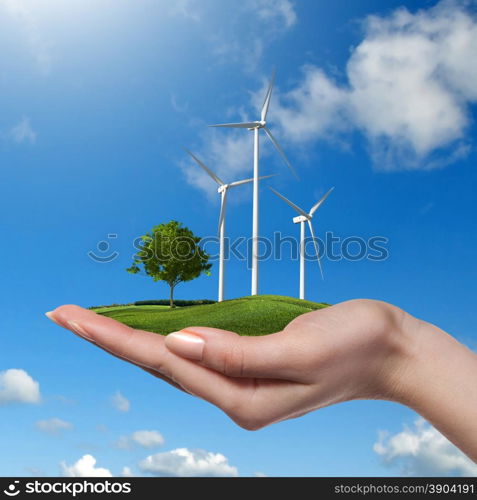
{"points": [[78, 329], [186, 345], [51, 315]]}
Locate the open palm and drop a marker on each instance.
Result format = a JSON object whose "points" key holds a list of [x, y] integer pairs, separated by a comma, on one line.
{"points": [[348, 351]]}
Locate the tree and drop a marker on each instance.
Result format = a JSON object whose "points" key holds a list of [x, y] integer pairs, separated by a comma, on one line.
{"points": [[170, 253]]}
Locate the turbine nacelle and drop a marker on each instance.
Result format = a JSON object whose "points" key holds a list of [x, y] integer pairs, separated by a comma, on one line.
{"points": [[258, 124], [223, 186], [301, 218], [262, 124], [222, 189], [306, 217], [255, 126]]}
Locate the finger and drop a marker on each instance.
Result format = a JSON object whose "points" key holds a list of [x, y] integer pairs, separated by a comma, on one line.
{"points": [[251, 403], [152, 372], [60, 318], [147, 350], [137, 346], [277, 356]]}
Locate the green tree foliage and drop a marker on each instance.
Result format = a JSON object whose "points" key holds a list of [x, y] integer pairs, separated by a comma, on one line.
{"points": [[170, 253]]}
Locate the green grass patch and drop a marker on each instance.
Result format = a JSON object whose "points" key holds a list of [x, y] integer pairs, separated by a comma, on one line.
{"points": [[257, 315]]}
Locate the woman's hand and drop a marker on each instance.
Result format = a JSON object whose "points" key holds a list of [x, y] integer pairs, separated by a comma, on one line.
{"points": [[353, 350], [361, 349]]}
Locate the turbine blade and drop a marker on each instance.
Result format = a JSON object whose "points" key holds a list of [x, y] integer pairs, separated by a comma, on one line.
{"points": [[268, 96], [280, 150], [286, 200], [236, 125], [318, 204], [222, 209], [317, 250], [239, 183], [207, 169]]}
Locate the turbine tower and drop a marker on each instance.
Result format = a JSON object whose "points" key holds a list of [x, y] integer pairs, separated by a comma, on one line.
{"points": [[222, 190], [255, 127], [301, 219]]}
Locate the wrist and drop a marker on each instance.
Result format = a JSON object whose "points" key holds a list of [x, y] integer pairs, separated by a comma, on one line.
{"points": [[436, 378], [406, 341], [426, 357]]}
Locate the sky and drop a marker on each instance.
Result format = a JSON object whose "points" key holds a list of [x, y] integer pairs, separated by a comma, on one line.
{"points": [[375, 98]]}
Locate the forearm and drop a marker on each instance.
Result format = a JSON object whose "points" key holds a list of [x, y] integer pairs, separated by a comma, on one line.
{"points": [[439, 382]]}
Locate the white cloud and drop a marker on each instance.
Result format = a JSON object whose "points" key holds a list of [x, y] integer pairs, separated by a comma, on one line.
{"points": [[280, 11], [242, 37], [226, 154], [407, 87], [146, 439], [317, 108], [421, 71], [22, 132], [421, 450], [84, 467], [20, 11], [254, 26], [127, 472], [278, 14], [183, 462], [16, 386], [120, 402], [247, 53], [53, 425]]}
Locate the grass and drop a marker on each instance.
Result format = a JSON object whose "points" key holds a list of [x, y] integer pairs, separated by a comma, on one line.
{"points": [[257, 315]]}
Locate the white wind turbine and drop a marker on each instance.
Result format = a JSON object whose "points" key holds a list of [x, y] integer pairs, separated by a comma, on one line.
{"points": [[222, 190], [256, 126], [301, 219]]}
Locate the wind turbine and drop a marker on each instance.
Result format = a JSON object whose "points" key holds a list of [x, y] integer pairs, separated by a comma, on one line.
{"points": [[255, 127], [222, 190], [301, 219]]}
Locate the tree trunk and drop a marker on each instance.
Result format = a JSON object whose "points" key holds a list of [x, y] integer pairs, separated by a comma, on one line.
{"points": [[171, 296]]}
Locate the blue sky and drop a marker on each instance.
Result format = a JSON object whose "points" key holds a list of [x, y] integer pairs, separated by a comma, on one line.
{"points": [[99, 97]]}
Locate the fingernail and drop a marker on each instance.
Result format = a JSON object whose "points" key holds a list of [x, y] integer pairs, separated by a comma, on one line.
{"points": [[186, 345], [78, 329], [51, 315]]}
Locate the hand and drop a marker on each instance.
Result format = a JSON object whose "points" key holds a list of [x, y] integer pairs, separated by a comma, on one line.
{"points": [[354, 350]]}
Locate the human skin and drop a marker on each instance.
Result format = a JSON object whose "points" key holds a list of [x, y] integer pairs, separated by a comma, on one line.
{"points": [[360, 349]]}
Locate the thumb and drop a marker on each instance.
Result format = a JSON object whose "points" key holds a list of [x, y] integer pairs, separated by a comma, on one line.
{"points": [[270, 356]]}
